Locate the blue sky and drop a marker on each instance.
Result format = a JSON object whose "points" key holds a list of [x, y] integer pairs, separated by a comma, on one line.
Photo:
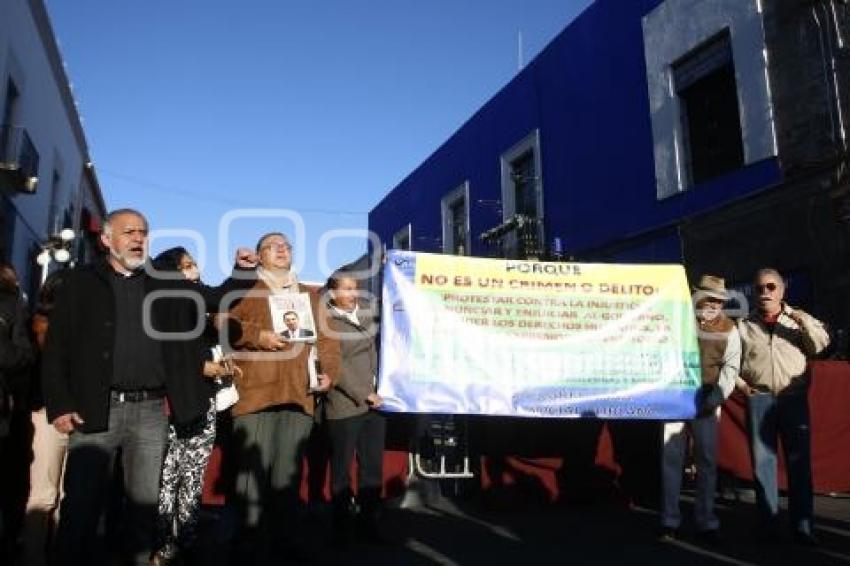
{"points": [[197, 108]]}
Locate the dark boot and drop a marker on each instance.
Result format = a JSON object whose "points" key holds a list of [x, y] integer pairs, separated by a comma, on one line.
{"points": [[344, 511], [368, 521]]}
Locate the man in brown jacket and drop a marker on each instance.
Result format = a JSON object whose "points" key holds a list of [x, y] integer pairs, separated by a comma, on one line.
{"points": [[720, 360], [274, 415]]}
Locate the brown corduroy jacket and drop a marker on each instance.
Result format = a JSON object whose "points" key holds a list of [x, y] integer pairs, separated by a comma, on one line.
{"points": [[278, 378]]}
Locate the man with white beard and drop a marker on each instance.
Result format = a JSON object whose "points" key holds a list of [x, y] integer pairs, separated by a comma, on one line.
{"points": [[105, 380], [104, 384]]}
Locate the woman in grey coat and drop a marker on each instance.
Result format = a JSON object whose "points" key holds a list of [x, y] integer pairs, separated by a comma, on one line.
{"points": [[353, 423]]}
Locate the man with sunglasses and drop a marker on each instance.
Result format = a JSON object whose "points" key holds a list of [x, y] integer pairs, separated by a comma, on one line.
{"points": [[777, 342]]}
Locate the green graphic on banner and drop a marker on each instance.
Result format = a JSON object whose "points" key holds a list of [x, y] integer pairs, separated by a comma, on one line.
{"points": [[507, 337]]}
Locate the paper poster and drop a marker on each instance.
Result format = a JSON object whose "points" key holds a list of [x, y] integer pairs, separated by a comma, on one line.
{"points": [[292, 319], [482, 336]]}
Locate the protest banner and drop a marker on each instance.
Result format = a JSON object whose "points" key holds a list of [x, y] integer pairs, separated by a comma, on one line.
{"points": [[466, 335]]}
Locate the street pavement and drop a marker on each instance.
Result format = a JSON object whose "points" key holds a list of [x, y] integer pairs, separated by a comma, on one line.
{"points": [[473, 531]]}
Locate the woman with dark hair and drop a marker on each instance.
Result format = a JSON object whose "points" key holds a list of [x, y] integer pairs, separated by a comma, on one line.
{"points": [[49, 446], [190, 437], [354, 424]]}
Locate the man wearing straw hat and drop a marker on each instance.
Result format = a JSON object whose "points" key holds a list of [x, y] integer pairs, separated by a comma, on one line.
{"points": [[720, 355]]}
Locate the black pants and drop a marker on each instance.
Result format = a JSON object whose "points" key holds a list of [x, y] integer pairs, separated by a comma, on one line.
{"points": [[364, 434]]}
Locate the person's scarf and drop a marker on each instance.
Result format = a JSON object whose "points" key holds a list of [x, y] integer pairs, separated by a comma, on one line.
{"points": [[278, 285]]}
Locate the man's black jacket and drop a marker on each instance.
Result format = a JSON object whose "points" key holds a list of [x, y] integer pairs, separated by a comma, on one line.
{"points": [[77, 366]]}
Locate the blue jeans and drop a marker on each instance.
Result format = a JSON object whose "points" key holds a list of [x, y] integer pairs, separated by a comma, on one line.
{"points": [[785, 416], [704, 433], [139, 430]]}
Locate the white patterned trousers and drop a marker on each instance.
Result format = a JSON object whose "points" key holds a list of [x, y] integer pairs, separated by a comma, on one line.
{"points": [[182, 482]]}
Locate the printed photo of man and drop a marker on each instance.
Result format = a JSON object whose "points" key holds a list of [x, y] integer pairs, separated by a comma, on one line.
{"points": [[293, 326]]}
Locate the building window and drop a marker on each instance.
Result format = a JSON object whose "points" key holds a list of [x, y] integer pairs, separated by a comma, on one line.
{"points": [[524, 179], [53, 208], [522, 189], [455, 213], [522, 198], [402, 239], [10, 105], [711, 120], [707, 80], [10, 115]]}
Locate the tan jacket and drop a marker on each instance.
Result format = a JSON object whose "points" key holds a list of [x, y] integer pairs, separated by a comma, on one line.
{"points": [[359, 364], [278, 378], [777, 361]]}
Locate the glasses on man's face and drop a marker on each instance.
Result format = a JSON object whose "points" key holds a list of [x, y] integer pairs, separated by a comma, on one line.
{"points": [[766, 287], [277, 247]]}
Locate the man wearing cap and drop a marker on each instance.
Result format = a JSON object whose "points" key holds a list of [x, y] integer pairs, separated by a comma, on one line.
{"points": [[777, 342], [720, 354]]}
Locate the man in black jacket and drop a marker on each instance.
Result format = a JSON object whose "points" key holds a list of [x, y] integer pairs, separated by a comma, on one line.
{"points": [[105, 376], [104, 382]]}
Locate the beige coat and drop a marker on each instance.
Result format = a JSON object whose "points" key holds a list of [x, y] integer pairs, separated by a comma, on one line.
{"points": [[777, 361]]}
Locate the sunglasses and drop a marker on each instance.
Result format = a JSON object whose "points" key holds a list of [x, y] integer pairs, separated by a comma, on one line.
{"points": [[766, 287]]}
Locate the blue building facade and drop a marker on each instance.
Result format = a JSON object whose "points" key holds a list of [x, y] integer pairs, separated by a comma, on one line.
{"points": [[48, 182], [613, 144]]}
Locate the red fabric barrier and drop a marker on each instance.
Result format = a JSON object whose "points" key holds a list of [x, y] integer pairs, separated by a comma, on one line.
{"points": [[572, 459], [548, 473], [829, 406], [315, 482], [522, 459], [829, 401]]}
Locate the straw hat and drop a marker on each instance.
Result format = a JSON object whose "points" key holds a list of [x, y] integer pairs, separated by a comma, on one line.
{"points": [[711, 286]]}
